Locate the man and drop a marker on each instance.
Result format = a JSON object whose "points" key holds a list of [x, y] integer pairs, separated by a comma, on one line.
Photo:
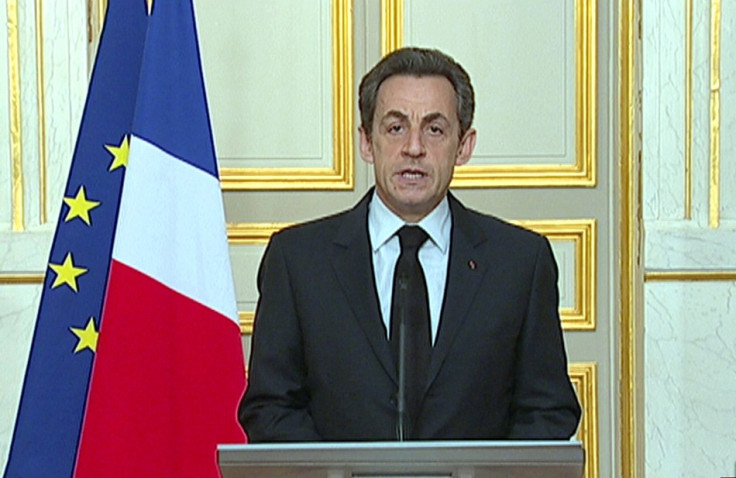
{"points": [[355, 341]]}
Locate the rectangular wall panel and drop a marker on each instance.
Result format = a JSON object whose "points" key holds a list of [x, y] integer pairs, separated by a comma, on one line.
{"points": [[279, 81], [689, 345], [689, 147], [533, 66], [267, 67], [524, 98]]}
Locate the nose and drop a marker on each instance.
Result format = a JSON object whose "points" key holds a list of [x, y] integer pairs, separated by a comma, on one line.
{"points": [[414, 145]]}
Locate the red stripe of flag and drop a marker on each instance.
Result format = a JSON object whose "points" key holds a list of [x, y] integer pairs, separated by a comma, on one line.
{"points": [[163, 383]]}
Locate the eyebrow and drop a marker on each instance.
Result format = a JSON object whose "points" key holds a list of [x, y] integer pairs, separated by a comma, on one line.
{"points": [[394, 114], [435, 116], [426, 119]]}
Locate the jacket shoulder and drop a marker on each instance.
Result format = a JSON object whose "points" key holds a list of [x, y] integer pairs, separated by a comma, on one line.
{"points": [[320, 229], [497, 229]]}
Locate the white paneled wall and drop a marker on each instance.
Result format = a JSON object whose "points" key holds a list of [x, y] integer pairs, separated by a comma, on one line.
{"points": [[689, 111]]}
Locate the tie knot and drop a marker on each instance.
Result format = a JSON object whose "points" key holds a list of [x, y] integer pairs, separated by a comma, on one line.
{"points": [[412, 237]]}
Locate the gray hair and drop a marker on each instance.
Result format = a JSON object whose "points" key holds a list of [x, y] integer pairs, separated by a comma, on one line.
{"points": [[414, 61]]}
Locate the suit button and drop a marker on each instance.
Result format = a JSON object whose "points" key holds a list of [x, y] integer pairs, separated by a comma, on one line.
{"points": [[393, 401]]}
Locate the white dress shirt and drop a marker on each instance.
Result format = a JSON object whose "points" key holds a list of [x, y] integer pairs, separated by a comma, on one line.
{"points": [[433, 255]]}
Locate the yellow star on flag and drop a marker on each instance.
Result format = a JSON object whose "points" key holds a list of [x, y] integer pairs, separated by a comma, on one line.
{"points": [[87, 336], [67, 273], [80, 206], [119, 154], [149, 4]]}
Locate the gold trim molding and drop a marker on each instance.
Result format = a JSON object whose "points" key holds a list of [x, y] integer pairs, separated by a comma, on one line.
{"points": [[101, 12], [21, 278], [586, 80], [96, 12], [245, 320], [631, 278], [580, 174], [14, 113], [340, 175], [392, 25], [584, 377], [690, 276], [41, 102], [582, 232], [715, 114], [688, 109], [253, 233]]}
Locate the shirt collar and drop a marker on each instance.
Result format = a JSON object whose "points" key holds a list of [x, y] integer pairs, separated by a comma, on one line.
{"points": [[383, 224]]}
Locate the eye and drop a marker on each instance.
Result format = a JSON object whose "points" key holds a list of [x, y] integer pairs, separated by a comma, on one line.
{"points": [[395, 128], [435, 129]]}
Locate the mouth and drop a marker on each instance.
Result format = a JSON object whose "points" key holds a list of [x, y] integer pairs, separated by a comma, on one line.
{"points": [[412, 174]]}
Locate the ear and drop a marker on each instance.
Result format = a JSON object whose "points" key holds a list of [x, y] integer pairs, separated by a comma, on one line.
{"points": [[466, 147], [366, 147]]}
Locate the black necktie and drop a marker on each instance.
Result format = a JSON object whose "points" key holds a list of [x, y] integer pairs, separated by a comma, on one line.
{"points": [[410, 304]]}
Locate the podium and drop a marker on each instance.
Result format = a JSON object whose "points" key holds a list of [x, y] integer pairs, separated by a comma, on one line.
{"points": [[428, 459]]}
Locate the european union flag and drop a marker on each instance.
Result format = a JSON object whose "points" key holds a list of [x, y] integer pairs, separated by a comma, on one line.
{"points": [[52, 404]]}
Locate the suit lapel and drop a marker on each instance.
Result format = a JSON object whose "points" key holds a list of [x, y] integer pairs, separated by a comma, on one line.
{"points": [[465, 274], [354, 270]]}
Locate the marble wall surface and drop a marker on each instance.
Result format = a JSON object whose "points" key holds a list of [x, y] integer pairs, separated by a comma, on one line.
{"points": [[691, 379], [689, 207]]}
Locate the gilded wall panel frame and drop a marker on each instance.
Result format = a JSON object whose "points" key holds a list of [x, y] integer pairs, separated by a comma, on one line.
{"points": [[582, 173], [584, 378], [21, 218], [581, 316], [340, 175], [251, 234], [582, 232]]}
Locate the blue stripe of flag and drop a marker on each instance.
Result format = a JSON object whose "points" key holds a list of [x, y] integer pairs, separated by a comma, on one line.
{"points": [[172, 111]]}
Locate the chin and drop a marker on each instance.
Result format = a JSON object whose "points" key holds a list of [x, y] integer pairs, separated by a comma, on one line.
{"points": [[413, 204], [414, 208]]}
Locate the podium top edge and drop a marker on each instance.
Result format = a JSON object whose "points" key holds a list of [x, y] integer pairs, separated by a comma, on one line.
{"points": [[370, 455], [394, 445]]}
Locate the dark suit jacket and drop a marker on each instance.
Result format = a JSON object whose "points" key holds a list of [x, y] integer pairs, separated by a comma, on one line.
{"points": [[321, 369]]}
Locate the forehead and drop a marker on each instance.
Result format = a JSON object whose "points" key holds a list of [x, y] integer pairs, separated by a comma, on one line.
{"points": [[417, 95]]}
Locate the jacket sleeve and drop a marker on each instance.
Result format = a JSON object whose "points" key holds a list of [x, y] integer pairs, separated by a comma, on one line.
{"points": [[544, 404], [275, 406]]}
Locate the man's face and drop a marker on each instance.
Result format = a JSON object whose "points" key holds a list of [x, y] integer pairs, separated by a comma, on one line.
{"points": [[415, 144]]}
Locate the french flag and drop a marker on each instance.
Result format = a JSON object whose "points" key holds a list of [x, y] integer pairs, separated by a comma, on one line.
{"points": [[168, 372], [136, 366]]}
